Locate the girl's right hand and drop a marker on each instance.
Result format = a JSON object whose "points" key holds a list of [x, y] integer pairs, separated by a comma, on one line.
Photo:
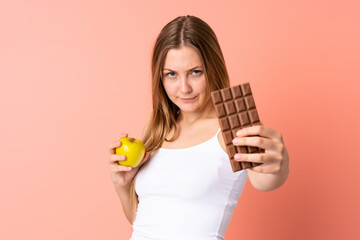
{"points": [[122, 175]]}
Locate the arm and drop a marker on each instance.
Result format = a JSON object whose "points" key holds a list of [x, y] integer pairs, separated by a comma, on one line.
{"points": [[124, 192], [122, 178], [274, 168], [124, 196]]}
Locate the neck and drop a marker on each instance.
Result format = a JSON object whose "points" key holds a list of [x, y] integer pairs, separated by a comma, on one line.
{"points": [[189, 118]]}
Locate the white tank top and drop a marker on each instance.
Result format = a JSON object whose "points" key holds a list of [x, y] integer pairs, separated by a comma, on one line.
{"points": [[187, 194]]}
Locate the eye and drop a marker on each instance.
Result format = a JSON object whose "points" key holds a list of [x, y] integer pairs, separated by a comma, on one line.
{"points": [[197, 72], [170, 74]]}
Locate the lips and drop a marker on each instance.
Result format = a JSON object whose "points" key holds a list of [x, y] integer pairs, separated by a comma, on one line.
{"points": [[187, 98]]}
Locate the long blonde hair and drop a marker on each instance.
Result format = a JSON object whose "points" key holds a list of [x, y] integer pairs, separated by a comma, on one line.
{"points": [[189, 31]]}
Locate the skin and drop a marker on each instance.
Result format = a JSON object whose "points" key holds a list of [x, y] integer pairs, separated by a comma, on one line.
{"points": [[122, 175], [184, 78], [274, 170]]}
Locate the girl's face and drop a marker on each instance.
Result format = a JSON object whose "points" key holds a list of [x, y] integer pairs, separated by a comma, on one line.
{"points": [[183, 78]]}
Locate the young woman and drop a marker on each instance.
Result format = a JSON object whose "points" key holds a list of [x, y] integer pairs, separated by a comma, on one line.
{"points": [[185, 188]]}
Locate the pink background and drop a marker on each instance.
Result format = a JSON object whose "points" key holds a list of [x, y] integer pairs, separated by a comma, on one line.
{"points": [[75, 74]]}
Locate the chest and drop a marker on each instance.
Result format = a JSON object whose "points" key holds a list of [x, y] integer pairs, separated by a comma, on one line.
{"points": [[185, 175], [194, 173], [192, 137]]}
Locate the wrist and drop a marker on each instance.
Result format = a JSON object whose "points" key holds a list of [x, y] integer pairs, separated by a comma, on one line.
{"points": [[122, 189]]}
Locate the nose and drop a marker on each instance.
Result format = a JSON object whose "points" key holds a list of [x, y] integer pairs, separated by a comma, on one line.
{"points": [[185, 85]]}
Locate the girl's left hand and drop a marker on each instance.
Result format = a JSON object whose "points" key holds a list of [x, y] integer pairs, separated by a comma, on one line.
{"points": [[274, 159]]}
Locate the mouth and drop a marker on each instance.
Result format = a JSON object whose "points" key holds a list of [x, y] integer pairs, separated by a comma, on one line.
{"points": [[187, 98]]}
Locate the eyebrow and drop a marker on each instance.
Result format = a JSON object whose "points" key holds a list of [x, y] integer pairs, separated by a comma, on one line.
{"points": [[188, 70]]}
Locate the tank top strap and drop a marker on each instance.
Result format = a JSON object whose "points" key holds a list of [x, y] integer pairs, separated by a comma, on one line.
{"points": [[214, 139], [218, 131], [216, 143]]}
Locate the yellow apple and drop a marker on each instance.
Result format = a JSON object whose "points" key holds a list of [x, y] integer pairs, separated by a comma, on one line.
{"points": [[134, 150]]}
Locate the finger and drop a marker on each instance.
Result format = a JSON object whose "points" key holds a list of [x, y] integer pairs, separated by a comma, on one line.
{"points": [[260, 130], [117, 143], [267, 158], [266, 168], [252, 157], [120, 168], [114, 145], [122, 135], [114, 159], [260, 142]]}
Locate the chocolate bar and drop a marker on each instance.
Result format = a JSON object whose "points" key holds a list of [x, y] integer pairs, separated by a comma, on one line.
{"points": [[235, 109]]}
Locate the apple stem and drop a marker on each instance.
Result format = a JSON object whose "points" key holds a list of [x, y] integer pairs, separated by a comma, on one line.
{"points": [[132, 140]]}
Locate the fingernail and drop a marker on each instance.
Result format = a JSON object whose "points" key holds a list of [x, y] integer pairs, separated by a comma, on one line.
{"points": [[239, 133], [237, 157], [236, 141]]}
